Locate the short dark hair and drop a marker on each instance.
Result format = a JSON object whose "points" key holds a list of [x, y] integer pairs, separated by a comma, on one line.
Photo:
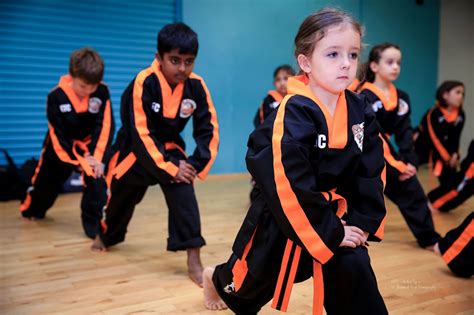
{"points": [[177, 36], [287, 68], [86, 64], [446, 86]]}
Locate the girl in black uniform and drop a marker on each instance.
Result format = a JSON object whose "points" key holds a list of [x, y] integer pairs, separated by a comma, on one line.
{"points": [[392, 109], [439, 133], [318, 162]]}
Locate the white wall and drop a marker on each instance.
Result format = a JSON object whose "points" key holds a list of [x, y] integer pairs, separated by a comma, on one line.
{"points": [[456, 55]]}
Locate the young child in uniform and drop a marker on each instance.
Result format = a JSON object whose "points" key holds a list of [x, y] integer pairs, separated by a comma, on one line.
{"points": [[439, 133], [392, 109], [80, 132], [271, 102], [445, 198], [274, 97], [155, 108], [318, 161]]}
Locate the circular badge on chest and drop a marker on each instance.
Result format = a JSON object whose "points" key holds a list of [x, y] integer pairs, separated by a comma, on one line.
{"points": [[94, 105], [188, 106]]}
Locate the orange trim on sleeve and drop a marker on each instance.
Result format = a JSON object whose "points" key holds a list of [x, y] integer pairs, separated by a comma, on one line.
{"points": [[289, 202], [240, 268], [171, 97], [399, 165], [276, 96], [62, 154], [381, 230], [142, 128], [337, 125], [436, 142], [389, 103], [104, 133], [214, 143], [461, 242]]}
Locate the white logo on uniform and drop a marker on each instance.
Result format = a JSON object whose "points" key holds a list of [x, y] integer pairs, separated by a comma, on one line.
{"points": [[358, 131], [65, 108], [94, 105], [187, 108], [155, 107], [229, 288], [403, 107], [321, 141], [377, 105], [274, 104]]}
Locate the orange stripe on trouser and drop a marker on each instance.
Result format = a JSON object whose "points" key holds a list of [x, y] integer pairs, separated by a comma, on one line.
{"points": [[318, 283], [461, 242], [25, 205], [445, 198], [240, 269]]}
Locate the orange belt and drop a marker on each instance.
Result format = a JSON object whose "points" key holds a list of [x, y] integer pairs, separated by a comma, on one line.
{"points": [[80, 158], [120, 169]]}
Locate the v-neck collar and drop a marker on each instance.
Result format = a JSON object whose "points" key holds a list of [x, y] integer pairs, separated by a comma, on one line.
{"points": [[389, 103], [171, 98], [277, 96], [80, 106], [337, 124]]}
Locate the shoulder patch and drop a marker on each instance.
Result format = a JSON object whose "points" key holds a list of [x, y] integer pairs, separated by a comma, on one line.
{"points": [[403, 107]]}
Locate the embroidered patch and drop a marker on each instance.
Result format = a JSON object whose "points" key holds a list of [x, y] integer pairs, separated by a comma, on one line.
{"points": [[274, 104], [403, 107], [155, 107], [65, 108], [376, 106], [230, 288], [187, 108], [358, 131], [94, 105]]}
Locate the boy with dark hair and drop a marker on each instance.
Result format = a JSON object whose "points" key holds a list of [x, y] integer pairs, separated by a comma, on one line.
{"points": [[155, 109], [80, 131]]}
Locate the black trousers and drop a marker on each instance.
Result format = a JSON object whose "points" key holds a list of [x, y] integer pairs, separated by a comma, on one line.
{"points": [[184, 225], [350, 286], [46, 185], [446, 198], [457, 248], [410, 198]]}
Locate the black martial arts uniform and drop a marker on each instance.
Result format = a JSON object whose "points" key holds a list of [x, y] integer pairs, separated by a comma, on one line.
{"points": [[439, 135], [457, 248], [393, 117], [312, 170], [75, 128], [269, 104], [445, 197], [149, 148]]}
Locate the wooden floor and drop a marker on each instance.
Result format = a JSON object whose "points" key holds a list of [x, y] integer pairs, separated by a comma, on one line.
{"points": [[47, 267]]}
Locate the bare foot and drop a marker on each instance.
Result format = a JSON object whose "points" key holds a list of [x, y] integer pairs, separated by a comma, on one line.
{"points": [[436, 249], [27, 219], [212, 300], [98, 245], [430, 248], [195, 266]]}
